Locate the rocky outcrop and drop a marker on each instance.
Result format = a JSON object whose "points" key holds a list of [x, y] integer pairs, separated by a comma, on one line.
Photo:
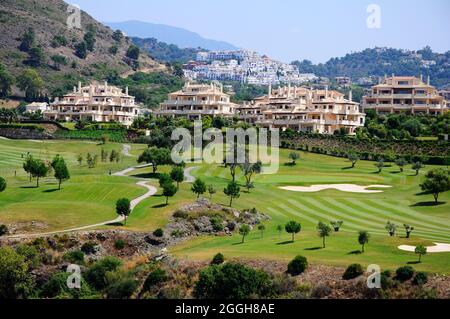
{"points": [[24, 134]]}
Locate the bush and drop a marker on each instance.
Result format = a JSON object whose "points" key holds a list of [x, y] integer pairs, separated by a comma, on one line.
{"points": [[404, 273], [156, 277], [421, 278], [232, 281], [96, 275], [119, 244], [218, 259], [120, 285], [216, 223], [57, 287], [3, 230], [158, 233], [297, 266], [88, 248], [74, 257], [353, 271]]}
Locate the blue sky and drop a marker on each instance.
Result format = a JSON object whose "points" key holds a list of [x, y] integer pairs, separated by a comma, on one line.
{"points": [[293, 29]]}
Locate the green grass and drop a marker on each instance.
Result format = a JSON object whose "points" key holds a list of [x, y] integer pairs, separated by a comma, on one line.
{"points": [[89, 197]]}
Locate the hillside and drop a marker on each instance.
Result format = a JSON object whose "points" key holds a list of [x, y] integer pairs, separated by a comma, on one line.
{"points": [[53, 46], [380, 61], [172, 35], [164, 52]]}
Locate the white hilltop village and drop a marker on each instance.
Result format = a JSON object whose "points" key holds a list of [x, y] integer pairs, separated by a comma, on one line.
{"points": [[244, 66]]}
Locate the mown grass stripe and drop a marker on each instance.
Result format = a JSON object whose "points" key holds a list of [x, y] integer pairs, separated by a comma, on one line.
{"points": [[392, 216]]}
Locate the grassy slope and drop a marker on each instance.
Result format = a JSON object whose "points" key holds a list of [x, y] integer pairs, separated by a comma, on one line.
{"points": [[87, 198], [359, 211]]}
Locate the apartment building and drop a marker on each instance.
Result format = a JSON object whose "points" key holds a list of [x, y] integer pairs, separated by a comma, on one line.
{"points": [[304, 109], [196, 100], [95, 102], [408, 94]]}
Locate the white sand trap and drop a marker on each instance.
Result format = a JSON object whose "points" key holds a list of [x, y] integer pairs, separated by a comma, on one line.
{"points": [[350, 188], [438, 248]]}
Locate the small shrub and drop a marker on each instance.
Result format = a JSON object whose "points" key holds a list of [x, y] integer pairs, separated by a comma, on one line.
{"points": [[158, 233], [421, 278], [180, 214], [404, 273], [217, 224], [3, 230], [218, 259], [88, 248], [321, 291], [231, 226], [353, 271], [74, 257], [120, 244], [156, 277], [297, 266]]}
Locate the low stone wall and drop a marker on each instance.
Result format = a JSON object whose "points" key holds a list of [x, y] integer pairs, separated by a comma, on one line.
{"points": [[24, 134]]}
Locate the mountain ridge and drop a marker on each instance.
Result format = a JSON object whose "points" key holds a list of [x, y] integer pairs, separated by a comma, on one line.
{"points": [[181, 37]]}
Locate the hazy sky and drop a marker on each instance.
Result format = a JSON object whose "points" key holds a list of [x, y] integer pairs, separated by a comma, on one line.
{"points": [[293, 29]]}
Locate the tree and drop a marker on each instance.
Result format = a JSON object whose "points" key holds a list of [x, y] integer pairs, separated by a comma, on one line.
{"points": [[401, 163], [294, 156], [337, 225], [80, 159], [27, 40], [437, 181], [391, 228], [6, 82], [244, 230], [233, 191], [169, 190], [262, 228], [31, 83], [89, 39], [177, 174], [96, 275], [58, 60], [280, 230], [133, 52], [417, 166], [408, 230], [293, 228], [113, 49], [421, 251], [2, 184], [15, 278], [38, 169], [249, 169], [199, 187], [353, 158], [324, 231], [81, 50], [117, 36], [123, 208], [211, 191], [61, 170], [380, 165], [28, 165], [363, 239], [155, 156], [36, 57]]}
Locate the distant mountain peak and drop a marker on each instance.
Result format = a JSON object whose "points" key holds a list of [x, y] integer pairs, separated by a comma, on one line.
{"points": [[169, 34]]}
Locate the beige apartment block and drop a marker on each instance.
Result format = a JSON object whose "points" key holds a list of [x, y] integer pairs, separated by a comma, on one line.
{"points": [[406, 94], [196, 100], [95, 102], [304, 109]]}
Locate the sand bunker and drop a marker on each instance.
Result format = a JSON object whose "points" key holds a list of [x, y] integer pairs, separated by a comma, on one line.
{"points": [[351, 188], [438, 248]]}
